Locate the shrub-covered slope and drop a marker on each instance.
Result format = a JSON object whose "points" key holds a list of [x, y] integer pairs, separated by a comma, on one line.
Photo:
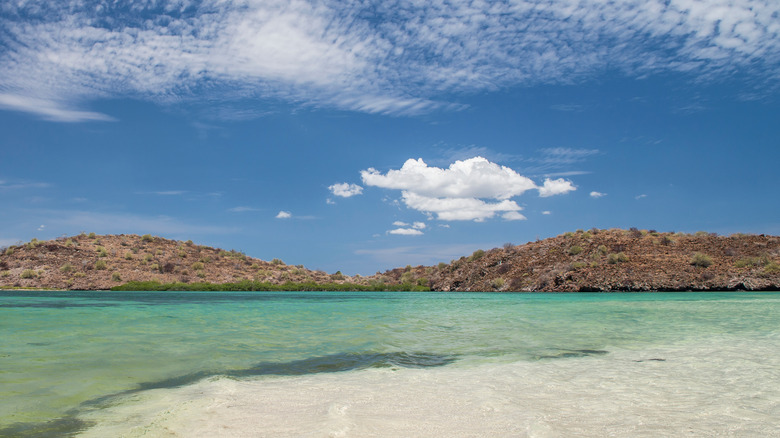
{"points": [[631, 260], [90, 262]]}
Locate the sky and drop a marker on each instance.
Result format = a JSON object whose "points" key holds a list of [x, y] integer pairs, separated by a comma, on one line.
{"points": [[361, 135]]}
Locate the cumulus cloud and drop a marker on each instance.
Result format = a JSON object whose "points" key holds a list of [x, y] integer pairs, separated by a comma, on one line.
{"points": [[460, 191], [388, 56], [345, 190], [406, 232], [553, 187], [595, 194], [283, 215]]}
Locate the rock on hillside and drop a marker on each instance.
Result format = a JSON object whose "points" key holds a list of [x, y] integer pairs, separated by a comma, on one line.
{"points": [[617, 260], [92, 262]]}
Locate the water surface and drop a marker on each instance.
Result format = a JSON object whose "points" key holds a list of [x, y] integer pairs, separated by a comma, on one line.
{"points": [[154, 363]]}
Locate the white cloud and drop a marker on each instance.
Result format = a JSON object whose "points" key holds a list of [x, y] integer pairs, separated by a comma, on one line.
{"points": [[283, 215], [513, 216], [640, 196], [242, 209], [345, 190], [553, 187], [390, 56], [406, 232], [595, 194], [472, 178], [400, 224], [41, 227], [547, 212], [459, 192], [418, 225]]}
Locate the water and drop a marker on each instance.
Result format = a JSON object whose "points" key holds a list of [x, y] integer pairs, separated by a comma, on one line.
{"points": [[389, 364]]}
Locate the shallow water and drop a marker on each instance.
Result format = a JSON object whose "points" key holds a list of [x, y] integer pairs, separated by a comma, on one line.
{"points": [[389, 364]]}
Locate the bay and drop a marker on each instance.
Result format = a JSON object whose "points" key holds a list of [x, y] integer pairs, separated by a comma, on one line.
{"points": [[384, 364]]}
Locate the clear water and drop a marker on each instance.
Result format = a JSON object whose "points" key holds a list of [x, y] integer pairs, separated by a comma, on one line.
{"points": [[389, 364]]}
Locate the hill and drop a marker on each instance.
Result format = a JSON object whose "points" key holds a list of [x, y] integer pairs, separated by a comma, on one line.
{"points": [[619, 260], [594, 260], [92, 262]]}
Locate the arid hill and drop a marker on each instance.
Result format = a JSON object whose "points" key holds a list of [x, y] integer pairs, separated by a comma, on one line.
{"points": [[619, 260], [92, 262], [594, 260]]}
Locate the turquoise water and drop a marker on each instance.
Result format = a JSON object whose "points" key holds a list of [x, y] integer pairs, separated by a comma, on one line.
{"points": [[65, 354]]}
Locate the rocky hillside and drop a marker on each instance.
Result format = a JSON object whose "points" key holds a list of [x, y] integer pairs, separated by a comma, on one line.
{"points": [[616, 260], [594, 260], [91, 262]]}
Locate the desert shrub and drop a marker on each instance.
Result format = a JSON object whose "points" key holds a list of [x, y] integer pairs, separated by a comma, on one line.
{"points": [[497, 283], [701, 234], [574, 250], [476, 255], [168, 268], [568, 234], [277, 262], [666, 240], [615, 258], [701, 260], [154, 267], [772, 268], [337, 276], [188, 243], [69, 283], [602, 249], [577, 265], [100, 265], [101, 252], [182, 254], [442, 265], [147, 238], [91, 235], [69, 243], [9, 251], [5, 274], [67, 267], [116, 277], [128, 255], [28, 273], [422, 281], [197, 266], [201, 274], [634, 232], [79, 275], [755, 262], [205, 259], [508, 246]]}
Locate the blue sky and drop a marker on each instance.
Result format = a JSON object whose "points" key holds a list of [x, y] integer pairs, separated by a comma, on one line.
{"points": [[365, 135]]}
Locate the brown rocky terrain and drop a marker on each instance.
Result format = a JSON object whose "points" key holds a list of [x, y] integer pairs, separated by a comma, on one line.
{"points": [[619, 260], [91, 262], [594, 260]]}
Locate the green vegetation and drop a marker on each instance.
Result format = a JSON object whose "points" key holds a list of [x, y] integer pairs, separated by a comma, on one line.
{"points": [[67, 267], [755, 262], [100, 265], [772, 268], [574, 250], [9, 251], [147, 238], [277, 262], [497, 283], [128, 255], [102, 252], [602, 250], [28, 273], [247, 285], [116, 277], [91, 235], [701, 260], [197, 266], [5, 274], [476, 255], [614, 259]]}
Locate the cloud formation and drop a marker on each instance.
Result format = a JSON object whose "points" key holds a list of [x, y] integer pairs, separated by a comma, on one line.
{"points": [[345, 190], [284, 215], [595, 194], [459, 192], [405, 229], [389, 57]]}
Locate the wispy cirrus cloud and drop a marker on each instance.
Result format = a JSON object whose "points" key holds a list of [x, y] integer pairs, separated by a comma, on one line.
{"points": [[389, 57]]}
